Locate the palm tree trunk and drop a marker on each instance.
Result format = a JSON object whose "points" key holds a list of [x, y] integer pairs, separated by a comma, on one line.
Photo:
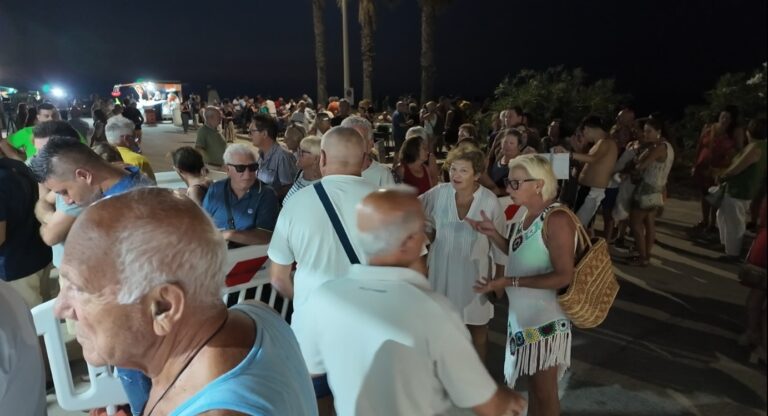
{"points": [[427, 50], [367, 18], [317, 14]]}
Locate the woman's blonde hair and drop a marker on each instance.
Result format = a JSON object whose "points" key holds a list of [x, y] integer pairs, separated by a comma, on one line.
{"points": [[538, 168], [311, 144]]}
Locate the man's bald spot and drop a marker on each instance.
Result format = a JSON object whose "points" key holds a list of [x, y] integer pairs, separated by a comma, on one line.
{"points": [[388, 207], [343, 146]]}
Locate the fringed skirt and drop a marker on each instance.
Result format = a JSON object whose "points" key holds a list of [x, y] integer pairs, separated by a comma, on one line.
{"points": [[533, 349]]}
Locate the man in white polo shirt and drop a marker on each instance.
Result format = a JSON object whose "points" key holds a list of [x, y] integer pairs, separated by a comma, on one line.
{"points": [[304, 233], [410, 353], [373, 171]]}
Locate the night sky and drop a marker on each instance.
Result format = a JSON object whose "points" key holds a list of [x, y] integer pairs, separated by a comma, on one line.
{"points": [[663, 52]]}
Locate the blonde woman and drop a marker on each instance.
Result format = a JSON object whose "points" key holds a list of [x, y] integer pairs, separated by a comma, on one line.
{"points": [[539, 334], [308, 163]]}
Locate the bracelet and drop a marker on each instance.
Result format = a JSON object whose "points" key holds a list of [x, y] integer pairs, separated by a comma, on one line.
{"points": [[515, 281]]}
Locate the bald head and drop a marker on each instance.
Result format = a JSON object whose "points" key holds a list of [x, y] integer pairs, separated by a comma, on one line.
{"points": [[342, 152], [157, 248], [390, 224]]}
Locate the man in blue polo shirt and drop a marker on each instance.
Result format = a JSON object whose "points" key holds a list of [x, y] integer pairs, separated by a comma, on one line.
{"points": [[242, 207], [23, 254]]}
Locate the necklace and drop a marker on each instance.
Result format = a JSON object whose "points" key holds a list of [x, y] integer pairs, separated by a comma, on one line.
{"points": [[189, 361]]}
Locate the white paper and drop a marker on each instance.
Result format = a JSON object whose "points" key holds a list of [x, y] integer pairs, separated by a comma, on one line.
{"points": [[561, 164]]}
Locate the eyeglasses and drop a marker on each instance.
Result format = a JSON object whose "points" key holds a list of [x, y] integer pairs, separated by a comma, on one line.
{"points": [[252, 167], [303, 152], [514, 184]]}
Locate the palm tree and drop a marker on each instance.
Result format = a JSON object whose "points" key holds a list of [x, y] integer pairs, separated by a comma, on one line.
{"points": [[318, 6], [428, 69], [367, 18]]}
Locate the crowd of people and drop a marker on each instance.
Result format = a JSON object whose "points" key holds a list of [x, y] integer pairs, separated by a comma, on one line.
{"points": [[359, 246]]}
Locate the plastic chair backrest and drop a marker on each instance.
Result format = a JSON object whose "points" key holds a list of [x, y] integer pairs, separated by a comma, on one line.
{"points": [[105, 389]]}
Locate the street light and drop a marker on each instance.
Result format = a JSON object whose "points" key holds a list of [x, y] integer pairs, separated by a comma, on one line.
{"points": [[58, 92]]}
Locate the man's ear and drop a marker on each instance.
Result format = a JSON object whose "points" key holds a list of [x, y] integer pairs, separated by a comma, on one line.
{"points": [[166, 303], [84, 175], [323, 158]]}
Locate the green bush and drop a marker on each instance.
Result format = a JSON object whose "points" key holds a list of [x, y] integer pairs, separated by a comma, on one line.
{"points": [[559, 93]]}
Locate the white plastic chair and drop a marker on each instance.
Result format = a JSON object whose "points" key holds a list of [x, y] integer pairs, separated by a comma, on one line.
{"points": [[105, 389]]}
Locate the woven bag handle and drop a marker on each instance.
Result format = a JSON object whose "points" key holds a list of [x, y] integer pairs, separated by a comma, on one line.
{"points": [[584, 241]]}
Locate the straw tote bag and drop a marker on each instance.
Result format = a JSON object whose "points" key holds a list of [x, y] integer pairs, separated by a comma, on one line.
{"points": [[589, 297]]}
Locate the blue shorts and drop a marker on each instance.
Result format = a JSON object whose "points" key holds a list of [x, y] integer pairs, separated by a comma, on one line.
{"points": [[322, 389], [610, 199]]}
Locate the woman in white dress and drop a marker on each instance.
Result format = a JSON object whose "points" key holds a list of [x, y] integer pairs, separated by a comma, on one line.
{"points": [[459, 255], [539, 333]]}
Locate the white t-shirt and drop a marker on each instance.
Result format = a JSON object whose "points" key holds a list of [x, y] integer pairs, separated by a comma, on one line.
{"points": [[22, 377], [391, 346], [304, 234], [378, 174]]}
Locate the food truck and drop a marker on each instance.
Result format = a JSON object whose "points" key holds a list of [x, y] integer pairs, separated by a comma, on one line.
{"points": [[157, 100]]}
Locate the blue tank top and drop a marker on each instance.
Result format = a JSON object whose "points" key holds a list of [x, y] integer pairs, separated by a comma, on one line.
{"points": [[271, 380]]}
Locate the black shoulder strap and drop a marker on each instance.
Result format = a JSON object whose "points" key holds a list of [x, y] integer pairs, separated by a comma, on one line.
{"points": [[334, 217], [230, 217]]}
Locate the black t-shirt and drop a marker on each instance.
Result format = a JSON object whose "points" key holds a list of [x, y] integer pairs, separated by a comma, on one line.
{"points": [[134, 115], [336, 121], [23, 252]]}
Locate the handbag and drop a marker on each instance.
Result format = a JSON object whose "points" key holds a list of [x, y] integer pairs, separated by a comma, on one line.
{"points": [[715, 196], [587, 300]]}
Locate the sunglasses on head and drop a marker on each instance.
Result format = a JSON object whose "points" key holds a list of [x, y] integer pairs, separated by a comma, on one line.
{"points": [[252, 167]]}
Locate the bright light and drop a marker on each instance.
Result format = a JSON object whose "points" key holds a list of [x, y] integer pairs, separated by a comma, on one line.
{"points": [[58, 92], [150, 86]]}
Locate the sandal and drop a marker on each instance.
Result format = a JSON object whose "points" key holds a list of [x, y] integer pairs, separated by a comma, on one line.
{"points": [[638, 261]]}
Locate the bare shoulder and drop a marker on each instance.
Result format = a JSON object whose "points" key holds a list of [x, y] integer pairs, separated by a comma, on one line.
{"points": [[558, 222]]}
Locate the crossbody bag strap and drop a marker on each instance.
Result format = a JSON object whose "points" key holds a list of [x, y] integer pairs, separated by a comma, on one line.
{"points": [[336, 222], [230, 217]]}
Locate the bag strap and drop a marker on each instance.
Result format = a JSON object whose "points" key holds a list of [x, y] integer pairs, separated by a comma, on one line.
{"points": [[336, 222], [230, 217], [583, 238]]}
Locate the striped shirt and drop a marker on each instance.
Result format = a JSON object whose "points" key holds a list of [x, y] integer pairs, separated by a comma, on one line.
{"points": [[298, 183]]}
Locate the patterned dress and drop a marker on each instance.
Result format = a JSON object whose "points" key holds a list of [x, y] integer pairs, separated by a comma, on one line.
{"points": [[538, 332]]}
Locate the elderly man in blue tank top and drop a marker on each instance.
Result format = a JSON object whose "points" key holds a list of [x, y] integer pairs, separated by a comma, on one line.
{"points": [[151, 301]]}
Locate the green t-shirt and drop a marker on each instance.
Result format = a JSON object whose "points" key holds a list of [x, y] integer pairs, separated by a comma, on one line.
{"points": [[214, 145], [23, 140]]}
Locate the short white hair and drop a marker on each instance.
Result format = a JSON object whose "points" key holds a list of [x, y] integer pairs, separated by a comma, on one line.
{"points": [[117, 127], [416, 131], [359, 122], [151, 252], [240, 149], [390, 235]]}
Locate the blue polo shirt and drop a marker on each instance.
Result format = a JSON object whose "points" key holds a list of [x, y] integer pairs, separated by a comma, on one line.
{"points": [[258, 208], [134, 179], [23, 252]]}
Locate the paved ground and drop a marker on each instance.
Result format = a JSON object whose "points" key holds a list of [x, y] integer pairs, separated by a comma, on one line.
{"points": [[668, 346]]}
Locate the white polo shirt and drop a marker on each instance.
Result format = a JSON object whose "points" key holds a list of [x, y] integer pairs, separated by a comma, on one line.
{"points": [[304, 234], [378, 174], [391, 346], [22, 376]]}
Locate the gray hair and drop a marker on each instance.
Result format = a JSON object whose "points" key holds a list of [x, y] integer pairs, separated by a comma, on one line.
{"points": [[117, 127], [390, 235], [240, 149], [210, 110], [416, 131], [361, 123], [152, 252]]}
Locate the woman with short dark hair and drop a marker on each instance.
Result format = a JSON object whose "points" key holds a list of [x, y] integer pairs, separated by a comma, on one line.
{"points": [[190, 166], [412, 169]]}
